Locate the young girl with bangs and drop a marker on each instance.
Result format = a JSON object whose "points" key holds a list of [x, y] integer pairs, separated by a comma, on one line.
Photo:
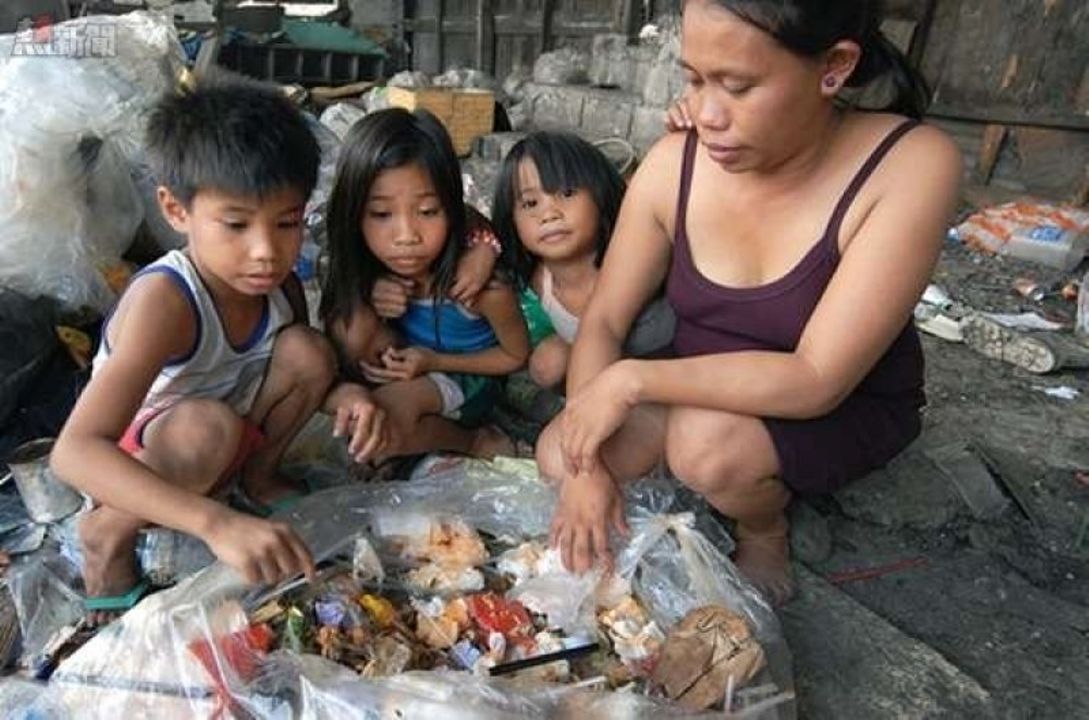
{"points": [[556, 202]]}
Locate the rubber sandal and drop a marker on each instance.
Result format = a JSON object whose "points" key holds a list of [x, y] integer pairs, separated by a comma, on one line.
{"points": [[118, 603]]}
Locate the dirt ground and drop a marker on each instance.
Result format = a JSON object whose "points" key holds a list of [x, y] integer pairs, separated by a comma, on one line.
{"points": [[1004, 600]]}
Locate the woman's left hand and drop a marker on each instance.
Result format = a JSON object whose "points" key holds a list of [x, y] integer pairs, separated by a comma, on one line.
{"points": [[595, 412]]}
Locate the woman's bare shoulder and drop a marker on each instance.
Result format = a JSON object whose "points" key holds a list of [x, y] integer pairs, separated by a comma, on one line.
{"points": [[922, 146], [659, 174], [664, 154]]}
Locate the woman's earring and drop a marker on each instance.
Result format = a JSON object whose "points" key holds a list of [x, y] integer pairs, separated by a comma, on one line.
{"points": [[830, 81]]}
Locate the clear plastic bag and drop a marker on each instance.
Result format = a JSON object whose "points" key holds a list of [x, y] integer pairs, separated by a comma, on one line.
{"points": [[190, 651], [28, 700], [329, 142], [45, 601], [73, 127]]}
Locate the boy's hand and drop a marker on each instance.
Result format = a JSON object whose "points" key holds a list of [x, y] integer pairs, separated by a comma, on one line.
{"points": [[389, 298], [473, 271], [262, 551], [358, 417], [589, 503], [404, 364]]}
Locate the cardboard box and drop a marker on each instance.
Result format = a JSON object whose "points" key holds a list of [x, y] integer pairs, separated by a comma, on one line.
{"points": [[466, 113]]}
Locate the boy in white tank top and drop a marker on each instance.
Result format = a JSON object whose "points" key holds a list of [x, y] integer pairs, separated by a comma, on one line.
{"points": [[207, 368]]}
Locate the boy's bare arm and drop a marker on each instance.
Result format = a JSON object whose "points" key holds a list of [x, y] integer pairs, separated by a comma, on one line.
{"points": [[153, 324]]}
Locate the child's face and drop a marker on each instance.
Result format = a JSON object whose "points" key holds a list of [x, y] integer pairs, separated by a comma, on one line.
{"points": [[404, 224], [553, 226], [247, 244]]}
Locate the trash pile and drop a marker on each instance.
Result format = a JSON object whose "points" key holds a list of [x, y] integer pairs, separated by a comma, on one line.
{"points": [[466, 608], [438, 595], [1046, 246]]}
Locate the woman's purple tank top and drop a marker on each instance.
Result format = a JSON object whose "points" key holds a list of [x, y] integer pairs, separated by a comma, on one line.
{"points": [[713, 318]]}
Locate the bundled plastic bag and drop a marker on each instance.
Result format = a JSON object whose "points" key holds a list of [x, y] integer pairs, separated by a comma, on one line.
{"points": [[1054, 235], [73, 127], [195, 650], [565, 66]]}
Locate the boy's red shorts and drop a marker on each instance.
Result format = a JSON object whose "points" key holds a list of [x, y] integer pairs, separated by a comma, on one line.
{"points": [[132, 442]]}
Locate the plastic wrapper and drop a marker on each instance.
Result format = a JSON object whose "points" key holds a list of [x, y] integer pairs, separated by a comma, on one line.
{"points": [[196, 651], [478, 177], [339, 119], [410, 79], [45, 601], [29, 700], [73, 128], [329, 141], [465, 78]]}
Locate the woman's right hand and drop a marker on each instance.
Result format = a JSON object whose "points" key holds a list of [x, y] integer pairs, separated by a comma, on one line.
{"points": [[589, 503], [389, 298], [678, 117], [262, 551]]}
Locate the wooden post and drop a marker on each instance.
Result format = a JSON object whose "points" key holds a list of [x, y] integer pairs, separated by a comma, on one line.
{"points": [[547, 9], [440, 20], [1081, 195], [922, 32], [485, 36], [627, 22], [991, 145]]}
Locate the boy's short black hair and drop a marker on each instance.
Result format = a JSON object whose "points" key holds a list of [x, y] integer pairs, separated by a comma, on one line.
{"points": [[233, 135], [564, 161]]}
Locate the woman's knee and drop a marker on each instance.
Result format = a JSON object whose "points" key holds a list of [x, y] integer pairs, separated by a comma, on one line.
{"points": [[549, 455], [712, 452], [306, 355]]}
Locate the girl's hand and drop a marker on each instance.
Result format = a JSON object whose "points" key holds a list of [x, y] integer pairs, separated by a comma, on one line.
{"points": [[474, 270], [589, 503], [594, 414], [678, 116], [389, 298], [358, 417], [404, 364]]}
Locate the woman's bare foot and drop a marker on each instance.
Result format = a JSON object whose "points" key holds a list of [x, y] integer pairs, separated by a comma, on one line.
{"points": [[108, 540], [489, 442], [764, 560]]}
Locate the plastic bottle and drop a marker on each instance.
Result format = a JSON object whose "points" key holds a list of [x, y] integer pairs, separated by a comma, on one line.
{"points": [[1049, 245]]}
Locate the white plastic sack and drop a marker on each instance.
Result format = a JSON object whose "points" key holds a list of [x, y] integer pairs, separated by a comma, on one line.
{"points": [[73, 116]]}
